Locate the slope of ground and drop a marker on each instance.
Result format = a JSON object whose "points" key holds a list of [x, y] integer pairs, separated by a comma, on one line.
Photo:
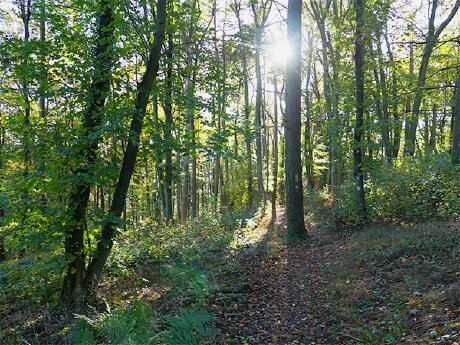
{"points": [[337, 289]]}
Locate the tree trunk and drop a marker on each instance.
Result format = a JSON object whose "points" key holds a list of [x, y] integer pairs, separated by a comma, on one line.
{"points": [[72, 288], [168, 134], [431, 40], [359, 74], [260, 14], [381, 80], [158, 153], [257, 120], [397, 123], [250, 187], [144, 89], [275, 149], [292, 124], [307, 131], [456, 123]]}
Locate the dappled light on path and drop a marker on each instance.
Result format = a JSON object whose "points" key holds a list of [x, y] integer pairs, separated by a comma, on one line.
{"points": [[277, 292]]}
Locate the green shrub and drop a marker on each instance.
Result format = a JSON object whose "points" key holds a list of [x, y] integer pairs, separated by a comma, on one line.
{"points": [[415, 189], [407, 190]]}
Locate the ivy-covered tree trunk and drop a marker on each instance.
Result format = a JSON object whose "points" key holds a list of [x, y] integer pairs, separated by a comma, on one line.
{"points": [[292, 125], [112, 220], [359, 126], [78, 201]]}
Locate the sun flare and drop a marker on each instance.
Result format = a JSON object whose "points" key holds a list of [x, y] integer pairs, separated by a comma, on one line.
{"points": [[279, 52]]}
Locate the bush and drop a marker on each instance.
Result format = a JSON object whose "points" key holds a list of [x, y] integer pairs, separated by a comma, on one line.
{"points": [[415, 190], [409, 190]]}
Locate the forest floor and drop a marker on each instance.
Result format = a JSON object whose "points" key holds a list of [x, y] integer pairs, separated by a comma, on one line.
{"points": [[392, 284], [381, 284]]}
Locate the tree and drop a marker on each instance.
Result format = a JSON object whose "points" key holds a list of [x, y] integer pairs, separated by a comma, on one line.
{"points": [[112, 220], [80, 283], [293, 164], [247, 123], [456, 123], [359, 126], [431, 40], [260, 14], [78, 200]]}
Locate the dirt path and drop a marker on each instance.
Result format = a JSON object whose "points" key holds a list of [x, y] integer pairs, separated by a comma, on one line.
{"points": [[276, 294]]}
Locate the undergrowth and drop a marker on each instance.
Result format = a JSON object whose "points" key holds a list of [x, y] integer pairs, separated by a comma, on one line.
{"points": [[140, 325], [411, 190], [397, 284]]}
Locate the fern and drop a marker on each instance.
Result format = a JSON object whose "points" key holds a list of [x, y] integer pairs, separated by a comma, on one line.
{"points": [[190, 328], [138, 326], [135, 326]]}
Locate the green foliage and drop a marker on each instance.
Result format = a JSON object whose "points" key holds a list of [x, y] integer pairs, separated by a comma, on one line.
{"points": [[409, 190], [198, 242], [415, 189], [190, 328], [139, 325], [136, 325], [32, 278], [188, 284]]}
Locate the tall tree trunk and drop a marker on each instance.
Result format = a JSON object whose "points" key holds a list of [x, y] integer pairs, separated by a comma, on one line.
{"points": [[434, 124], [397, 123], [307, 131], [194, 191], [359, 128], [158, 153], [72, 288], [292, 124], [189, 115], [257, 119], [320, 13], [2, 196], [456, 123], [168, 133], [148, 196], [382, 87], [25, 14], [112, 220], [250, 188], [431, 40], [275, 149], [260, 13], [43, 77], [247, 122], [216, 112]]}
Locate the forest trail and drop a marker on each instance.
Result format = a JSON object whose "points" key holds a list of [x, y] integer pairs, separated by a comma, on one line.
{"points": [[277, 294]]}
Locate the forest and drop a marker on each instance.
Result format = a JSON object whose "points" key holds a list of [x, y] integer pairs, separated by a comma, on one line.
{"points": [[240, 172]]}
